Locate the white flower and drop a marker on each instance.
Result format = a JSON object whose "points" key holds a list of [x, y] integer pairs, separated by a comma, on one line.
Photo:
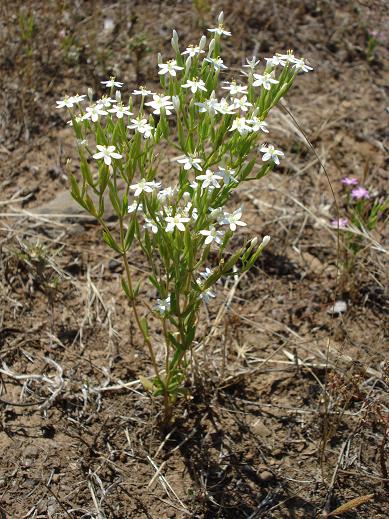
{"points": [[166, 194], [210, 179], [207, 296], [235, 89], [120, 111], [106, 101], [241, 124], [144, 186], [223, 107], [112, 83], [141, 126], [216, 62], [287, 58], [78, 98], [169, 68], [193, 51], [274, 61], [93, 112], [107, 153], [212, 234], [194, 85], [142, 92], [271, 153], [266, 80], [220, 30], [163, 305], [242, 104], [191, 211], [301, 66], [206, 274], [257, 124], [251, 64], [159, 103], [190, 162], [227, 174], [134, 207], [150, 224], [66, 102], [233, 219], [176, 221], [210, 105]]}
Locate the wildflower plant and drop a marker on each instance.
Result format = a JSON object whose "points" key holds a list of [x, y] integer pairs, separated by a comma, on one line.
{"points": [[362, 213], [218, 130]]}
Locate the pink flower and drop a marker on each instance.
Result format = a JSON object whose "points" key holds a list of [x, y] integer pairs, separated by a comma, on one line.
{"points": [[360, 192], [349, 181], [340, 223]]}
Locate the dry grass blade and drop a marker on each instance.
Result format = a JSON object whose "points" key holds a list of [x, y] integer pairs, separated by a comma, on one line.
{"points": [[350, 505]]}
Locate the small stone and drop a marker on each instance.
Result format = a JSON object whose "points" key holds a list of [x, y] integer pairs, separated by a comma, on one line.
{"points": [[171, 514], [266, 476], [338, 308], [114, 265], [56, 477], [277, 452]]}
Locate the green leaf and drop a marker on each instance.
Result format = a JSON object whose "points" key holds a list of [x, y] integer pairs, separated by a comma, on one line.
{"points": [[107, 237], [85, 171], [153, 280], [144, 325], [129, 237], [75, 190], [103, 177], [126, 289]]}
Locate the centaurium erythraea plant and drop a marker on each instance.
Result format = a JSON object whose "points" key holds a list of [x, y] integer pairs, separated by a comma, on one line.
{"points": [[217, 130]]}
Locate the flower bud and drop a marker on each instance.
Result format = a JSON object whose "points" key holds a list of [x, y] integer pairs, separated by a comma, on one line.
{"points": [[211, 46], [90, 94], [254, 241], [175, 41], [265, 240], [203, 41], [118, 96], [159, 58], [188, 64], [176, 103], [220, 18]]}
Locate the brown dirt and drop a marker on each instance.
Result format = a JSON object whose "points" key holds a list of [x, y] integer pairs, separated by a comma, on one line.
{"points": [[287, 414]]}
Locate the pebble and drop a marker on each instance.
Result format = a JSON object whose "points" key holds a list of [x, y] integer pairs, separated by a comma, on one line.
{"points": [[340, 307], [277, 452], [114, 265], [266, 476]]}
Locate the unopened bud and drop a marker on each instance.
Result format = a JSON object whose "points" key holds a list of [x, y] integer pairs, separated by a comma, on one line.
{"points": [[175, 41], [220, 18], [254, 241], [118, 96], [203, 41], [90, 94], [159, 58], [176, 103], [265, 240], [211, 46], [188, 64]]}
